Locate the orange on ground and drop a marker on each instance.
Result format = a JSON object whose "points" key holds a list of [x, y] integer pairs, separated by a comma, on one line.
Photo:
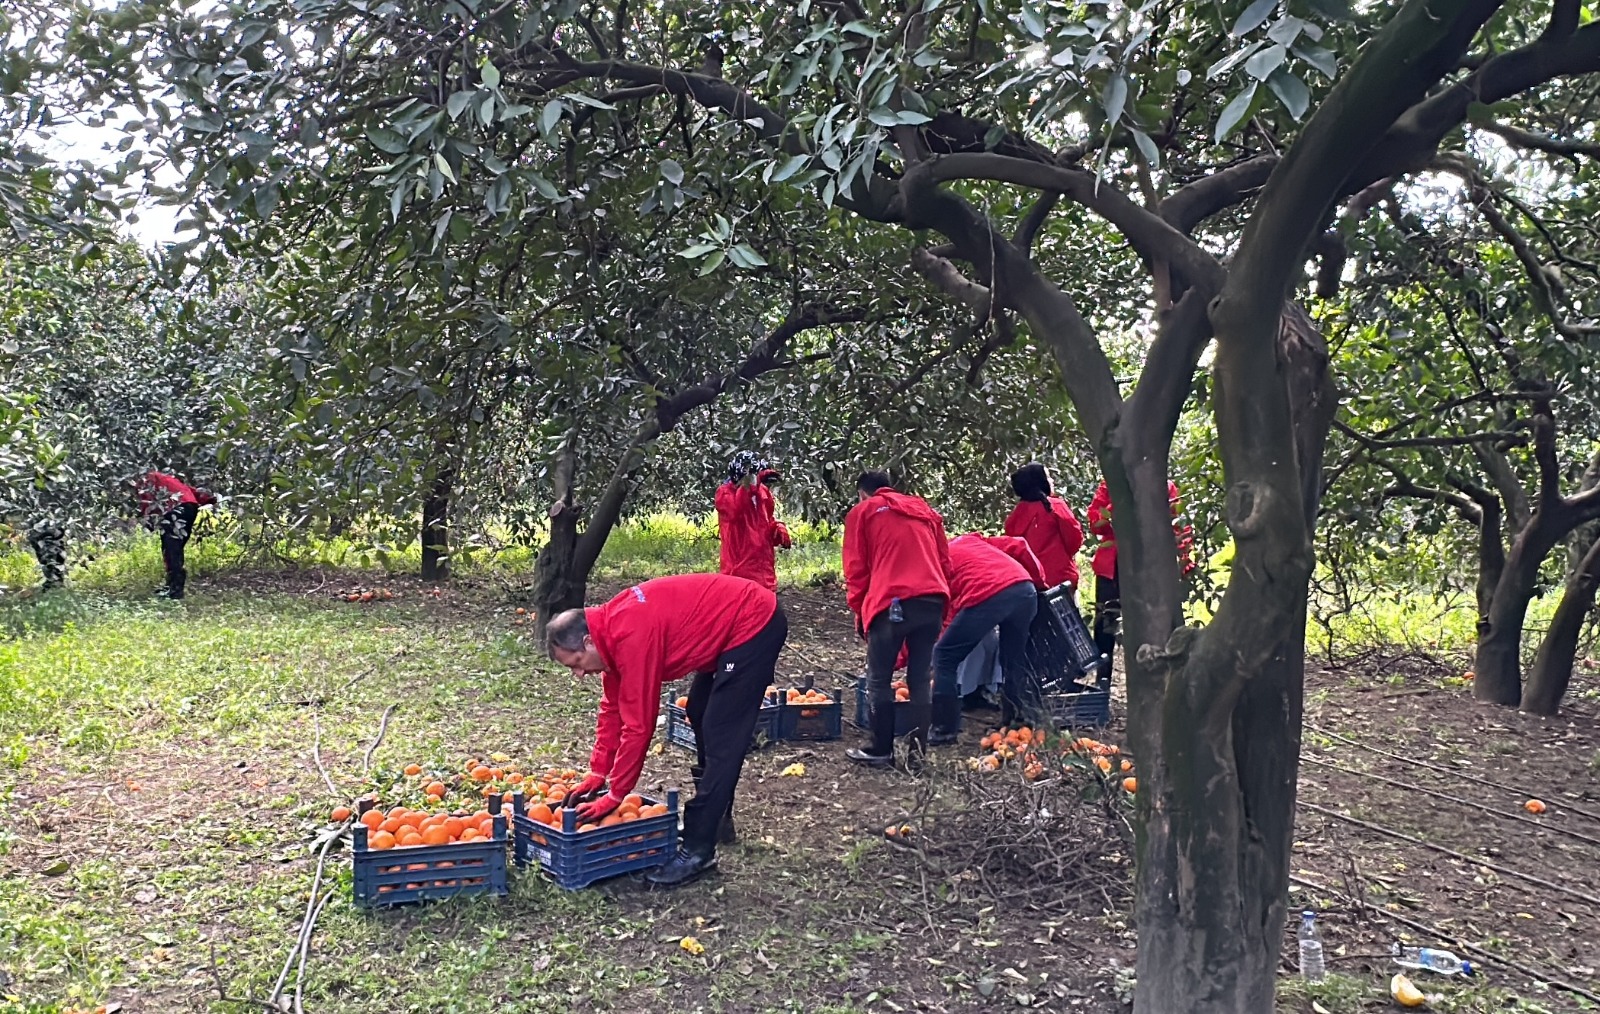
{"points": [[1130, 784], [1534, 806], [413, 769], [481, 774], [340, 814]]}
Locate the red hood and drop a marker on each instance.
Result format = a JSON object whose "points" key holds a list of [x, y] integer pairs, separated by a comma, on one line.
{"points": [[910, 506]]}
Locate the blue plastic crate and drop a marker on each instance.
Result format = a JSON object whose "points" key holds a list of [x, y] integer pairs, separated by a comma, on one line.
{"points": [[810, 723], [411, 873], [1061, 652], [863, 719], [575, 859], [1088, 709], [681, 733]]}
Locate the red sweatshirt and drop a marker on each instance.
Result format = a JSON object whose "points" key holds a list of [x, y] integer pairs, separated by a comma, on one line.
{"points": [[894, 548], [160, 492], [653, 633], [1105, 558], [1054, 535], [982, 567], [749, 532]]}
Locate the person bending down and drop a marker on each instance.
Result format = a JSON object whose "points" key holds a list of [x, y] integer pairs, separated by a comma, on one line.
{"points": [[726, 630]]}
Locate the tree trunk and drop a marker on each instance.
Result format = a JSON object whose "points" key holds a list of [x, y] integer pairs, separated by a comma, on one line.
{"points": [[555, 585], [1497, 663], [436, 530], [1552, 666]]}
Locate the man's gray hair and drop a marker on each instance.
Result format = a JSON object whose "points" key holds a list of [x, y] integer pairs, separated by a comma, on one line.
{"points": [[566, 630]]}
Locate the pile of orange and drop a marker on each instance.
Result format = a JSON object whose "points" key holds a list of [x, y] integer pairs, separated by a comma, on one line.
{"points": [[368, 595], [633, 808], [901, 691], [799, 698], [402, 827], [1026, 746]]}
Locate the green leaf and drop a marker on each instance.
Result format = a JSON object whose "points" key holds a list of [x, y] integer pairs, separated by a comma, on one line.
{"points": [[1232, 60], [1264, 62], [1285, 30], [457, 102], [1147, 148], [672, 172], [1254, 16], [546, 189], [1033, 22], [266, 198], [551, 116], [697, 251], [486, 111], [791, 165], [397, 199], [387, 141], [498, 197], [910, 117], [443, 166], [491, 75], [1322, 59], [1235, 111], [712, 263], [1115, 97], [1291, 91], [748, 253]]}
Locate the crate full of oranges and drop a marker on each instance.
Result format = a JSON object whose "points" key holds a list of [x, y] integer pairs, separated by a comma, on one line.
{"points": [[640, 834], [404, 854]]}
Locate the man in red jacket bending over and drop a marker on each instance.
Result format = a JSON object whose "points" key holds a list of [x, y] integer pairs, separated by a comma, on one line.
{"points": [[747, 524], [726, 631], [177, 504], [896, 578], [994, 582]]}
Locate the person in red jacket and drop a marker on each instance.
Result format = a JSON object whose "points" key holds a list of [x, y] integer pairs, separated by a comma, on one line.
{"points": [[747, 525], [896, 579], [1107, 593], [728, 632], [994, 583], [1047, 524], [176, 504]]}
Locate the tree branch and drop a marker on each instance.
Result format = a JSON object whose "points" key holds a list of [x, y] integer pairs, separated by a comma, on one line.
{"points": [[1190, 205], [1495, 436], [1527, 139], [1505, 483], [1029, 229]]}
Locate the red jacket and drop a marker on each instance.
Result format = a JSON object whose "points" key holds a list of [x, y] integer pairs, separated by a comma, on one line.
{"points": [[749, 531], [160, 492], [894, 548], [983, 566], [1105, 558], [1053, 533], [653, 633]]}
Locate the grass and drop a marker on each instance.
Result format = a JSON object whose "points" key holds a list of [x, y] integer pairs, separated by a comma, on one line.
{"points": [[158, 802]]}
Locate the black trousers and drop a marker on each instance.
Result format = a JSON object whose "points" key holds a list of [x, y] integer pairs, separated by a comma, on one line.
{"points": [[176, 526], [1107, 616], [48, 541], [724, 706], [918, 632]]}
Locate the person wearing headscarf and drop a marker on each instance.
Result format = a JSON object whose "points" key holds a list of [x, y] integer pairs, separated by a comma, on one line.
{"points": [[175, 504], [747, 523]]}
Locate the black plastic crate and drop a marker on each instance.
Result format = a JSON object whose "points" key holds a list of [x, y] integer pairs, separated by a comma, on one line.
{"points": [[1061, 652], [1086, 709], [575, 859], [681, 733], [411, 873], [810, 722], [863, 719]]}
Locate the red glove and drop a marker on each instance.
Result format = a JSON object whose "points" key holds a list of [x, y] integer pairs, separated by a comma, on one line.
{"points": [[780, 535], [590, 813], [586, 788]]}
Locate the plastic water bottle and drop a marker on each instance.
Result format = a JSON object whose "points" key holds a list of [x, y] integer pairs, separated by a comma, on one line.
{"points": [[1430, 959], [896, 614], [1312, 967]]}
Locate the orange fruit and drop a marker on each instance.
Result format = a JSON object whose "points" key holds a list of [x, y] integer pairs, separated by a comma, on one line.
{"points": [[521, 611], [411, 819], [398, 812], [1130, 784], [381, 840], [470, 834], [486, 827], [587, 827], [372, 818], [410, 838], [481, 774], [340, 814], [436, 835], [515, 778], [1534, 806], [435, 789], [495, 774], [539, 812], [391, 825], [454, 826], [413, 769], [1127, 766], [682, 702]]}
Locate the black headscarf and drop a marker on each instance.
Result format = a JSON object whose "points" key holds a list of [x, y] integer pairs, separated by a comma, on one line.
{"points": [[745, 463]]}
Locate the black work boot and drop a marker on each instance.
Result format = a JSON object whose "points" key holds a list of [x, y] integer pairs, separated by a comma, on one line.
{"points": [[685, 866], [946, 726], [726, 835], [917, 738], [880, 752], [175, 588]]}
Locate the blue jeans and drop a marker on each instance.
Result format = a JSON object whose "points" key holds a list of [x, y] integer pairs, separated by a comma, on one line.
{"points": [[1011, 610]]}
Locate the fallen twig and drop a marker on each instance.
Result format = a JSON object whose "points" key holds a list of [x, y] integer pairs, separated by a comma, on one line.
{"points": [[316, 753], [383, 727]]}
